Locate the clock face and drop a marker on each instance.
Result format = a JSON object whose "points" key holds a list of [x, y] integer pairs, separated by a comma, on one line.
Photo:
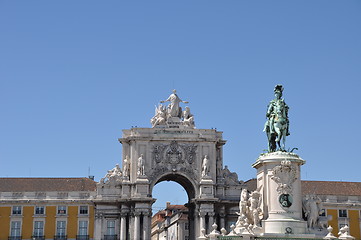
{"points": [[285, 200]]}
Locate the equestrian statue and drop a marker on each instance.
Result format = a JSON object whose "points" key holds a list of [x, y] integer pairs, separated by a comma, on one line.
{"points": [[277, 124]]}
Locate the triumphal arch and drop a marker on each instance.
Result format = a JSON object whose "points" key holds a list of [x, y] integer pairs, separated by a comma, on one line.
{"points": [[173, 149]]}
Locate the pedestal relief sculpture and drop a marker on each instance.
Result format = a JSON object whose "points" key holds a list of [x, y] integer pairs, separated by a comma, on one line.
{"points": [[284, 175]]}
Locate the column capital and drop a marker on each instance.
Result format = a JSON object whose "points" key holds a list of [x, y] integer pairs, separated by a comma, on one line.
{"points": [[202, 214], [137, 214], [211, 214], [147, 213]]}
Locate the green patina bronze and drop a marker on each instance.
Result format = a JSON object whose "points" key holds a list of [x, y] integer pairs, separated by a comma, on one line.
{"points": [[277, 124]]}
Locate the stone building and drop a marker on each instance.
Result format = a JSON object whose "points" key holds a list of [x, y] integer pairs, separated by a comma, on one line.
{"points": [[170, 223], [47, 208]]}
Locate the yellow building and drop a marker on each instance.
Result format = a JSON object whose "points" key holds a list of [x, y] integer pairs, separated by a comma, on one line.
{"points": [[46, 208]]}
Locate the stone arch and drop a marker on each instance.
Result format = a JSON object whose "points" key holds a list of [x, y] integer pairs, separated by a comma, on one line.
{"points": [[180, 178], [192, 190]]}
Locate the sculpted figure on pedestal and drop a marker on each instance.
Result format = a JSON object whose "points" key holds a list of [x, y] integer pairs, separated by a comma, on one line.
{"points": [[277, 124], [205, 166], [126, 167], [140, 165], [174, 110], [160, 116], [250, 212], [112, 176], [188, 118], [243, 209], [312, 207], [255, 210]]}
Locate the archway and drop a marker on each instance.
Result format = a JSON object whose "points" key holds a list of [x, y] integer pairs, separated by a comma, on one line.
{"points": [[175, 219]]}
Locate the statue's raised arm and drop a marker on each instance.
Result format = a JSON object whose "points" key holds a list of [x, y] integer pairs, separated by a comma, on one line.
{"points": [[174, 109]]}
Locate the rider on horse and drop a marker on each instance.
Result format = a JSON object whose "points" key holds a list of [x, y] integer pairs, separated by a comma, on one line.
{"points": [[277, 125]]}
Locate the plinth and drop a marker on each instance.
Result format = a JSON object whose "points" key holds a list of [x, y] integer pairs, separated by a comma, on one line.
{"points": [[278, 176]]}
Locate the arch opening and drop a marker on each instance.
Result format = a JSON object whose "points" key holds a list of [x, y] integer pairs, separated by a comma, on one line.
{"points": [[174, 208]]}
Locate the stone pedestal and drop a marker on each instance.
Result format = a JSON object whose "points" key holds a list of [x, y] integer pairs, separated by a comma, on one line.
{"points": [[278, 177], [206, 187]]}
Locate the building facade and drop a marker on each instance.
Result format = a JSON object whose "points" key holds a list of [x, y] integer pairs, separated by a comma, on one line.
{"points": [[46, 208], [170, 223]]}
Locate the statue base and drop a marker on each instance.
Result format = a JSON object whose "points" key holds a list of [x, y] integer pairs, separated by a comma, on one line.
{"points": [[278, 177]]}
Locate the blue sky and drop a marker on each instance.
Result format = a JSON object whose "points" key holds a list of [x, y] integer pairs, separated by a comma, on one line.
{"points": [[73, 74]]}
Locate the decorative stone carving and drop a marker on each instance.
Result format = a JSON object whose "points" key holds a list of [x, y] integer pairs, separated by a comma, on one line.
{"points": [[172, 116], [205, 166], [158, 151], [160, 117], [174, 153], [312, 208], [159, 170], [330, 235], [126, 167], [344, 233], [113, 176], [230, 178], [140, 166], [284, 175], [173, 109], [174, 156], [190, 150], [250, 212], [188, 118]]}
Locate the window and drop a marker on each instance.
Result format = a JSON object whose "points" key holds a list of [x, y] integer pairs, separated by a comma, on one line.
{"points": [[83, 210], [60, 228], [342, 213], [111, 227], [61, 209], [38, 228], [323, 212], [186, 226], [39, 210], [15, 229], [83, 228], [16, 210]]}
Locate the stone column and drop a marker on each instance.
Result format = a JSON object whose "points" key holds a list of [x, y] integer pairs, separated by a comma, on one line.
{"points": [[210, 221], [146, 225], [98, 226], [222, 222], [136, 234], [123, 225], [202, 222]]}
